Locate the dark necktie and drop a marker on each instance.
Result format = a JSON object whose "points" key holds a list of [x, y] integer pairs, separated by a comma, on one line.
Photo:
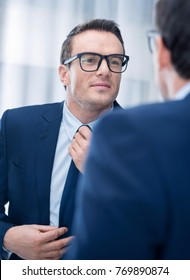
{"points": [[67, 205]]}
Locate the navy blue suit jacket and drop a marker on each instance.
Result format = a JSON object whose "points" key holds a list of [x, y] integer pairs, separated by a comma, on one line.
{"points": [[134, 201], [28, 140]]}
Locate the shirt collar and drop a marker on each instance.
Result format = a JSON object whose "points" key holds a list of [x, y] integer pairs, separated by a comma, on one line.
{"points": [[72, 123], [183, 92]]}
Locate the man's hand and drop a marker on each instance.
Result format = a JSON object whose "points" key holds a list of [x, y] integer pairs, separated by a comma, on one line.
{"points": [[80, 146], [36, 242]]}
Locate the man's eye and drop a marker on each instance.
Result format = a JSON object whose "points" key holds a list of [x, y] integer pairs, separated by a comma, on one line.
{"points": [[89, 60], [115, 62]]}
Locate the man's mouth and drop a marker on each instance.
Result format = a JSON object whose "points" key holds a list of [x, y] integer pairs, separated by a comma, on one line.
{"points": [[101, 85]]}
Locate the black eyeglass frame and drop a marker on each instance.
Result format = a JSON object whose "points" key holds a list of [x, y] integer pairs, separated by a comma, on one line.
{"points": [[151, 34], [106, 57]]}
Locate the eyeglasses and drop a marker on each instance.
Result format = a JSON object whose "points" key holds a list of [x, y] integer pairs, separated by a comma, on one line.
{"points": [[90, 62], [151, 39]]}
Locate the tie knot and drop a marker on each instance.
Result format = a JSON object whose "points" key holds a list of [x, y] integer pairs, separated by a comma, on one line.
{"points": [[84, 125]]}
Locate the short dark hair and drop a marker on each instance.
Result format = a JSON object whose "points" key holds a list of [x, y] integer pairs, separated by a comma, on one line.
{"points": [[172, 18], [95, 24]]}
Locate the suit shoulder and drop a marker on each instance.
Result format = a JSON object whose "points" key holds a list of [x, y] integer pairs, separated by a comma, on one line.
{"points": [[146, 116], [29, 115], [37, 108], [32, 109]]}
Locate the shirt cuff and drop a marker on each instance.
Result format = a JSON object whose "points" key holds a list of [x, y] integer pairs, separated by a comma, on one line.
{"points": [[6, 253]]}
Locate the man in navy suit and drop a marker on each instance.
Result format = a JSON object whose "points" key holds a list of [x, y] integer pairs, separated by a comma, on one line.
{"points": [[38, 175], [134, 202]]}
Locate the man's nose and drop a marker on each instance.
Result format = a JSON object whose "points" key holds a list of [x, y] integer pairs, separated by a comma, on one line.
{"points": [[103, 68]]}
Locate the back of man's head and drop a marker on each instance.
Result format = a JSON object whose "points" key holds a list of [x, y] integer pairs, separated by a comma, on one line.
{"points": [[172, 18]]}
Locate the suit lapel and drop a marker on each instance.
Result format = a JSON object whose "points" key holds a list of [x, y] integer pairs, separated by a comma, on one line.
{"points": [[47, 136], [116, 105]]}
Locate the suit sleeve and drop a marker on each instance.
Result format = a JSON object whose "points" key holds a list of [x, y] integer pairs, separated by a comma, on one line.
{"points": [[118, 213], [4, 223]]}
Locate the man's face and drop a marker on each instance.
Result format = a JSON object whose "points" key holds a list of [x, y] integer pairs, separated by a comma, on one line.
{"points": [[93, 90]]}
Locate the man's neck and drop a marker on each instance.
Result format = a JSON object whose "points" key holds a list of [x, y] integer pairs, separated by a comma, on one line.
{"points": [[87, 115], [175, 84]]}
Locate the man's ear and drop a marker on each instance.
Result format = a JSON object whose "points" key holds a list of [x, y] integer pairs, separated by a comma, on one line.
{"points": [[163, 54], [64, 75]]}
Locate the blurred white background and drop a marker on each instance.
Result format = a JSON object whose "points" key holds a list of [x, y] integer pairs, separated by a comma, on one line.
{"points": [[31, 35]]}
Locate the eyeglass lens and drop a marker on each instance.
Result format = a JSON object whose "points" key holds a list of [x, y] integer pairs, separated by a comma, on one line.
{"points": [[151, 43], [91, 62]]}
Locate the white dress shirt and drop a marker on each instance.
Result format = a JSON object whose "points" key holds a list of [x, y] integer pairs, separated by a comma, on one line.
{"points": [[183, 92], [62, 160]]}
